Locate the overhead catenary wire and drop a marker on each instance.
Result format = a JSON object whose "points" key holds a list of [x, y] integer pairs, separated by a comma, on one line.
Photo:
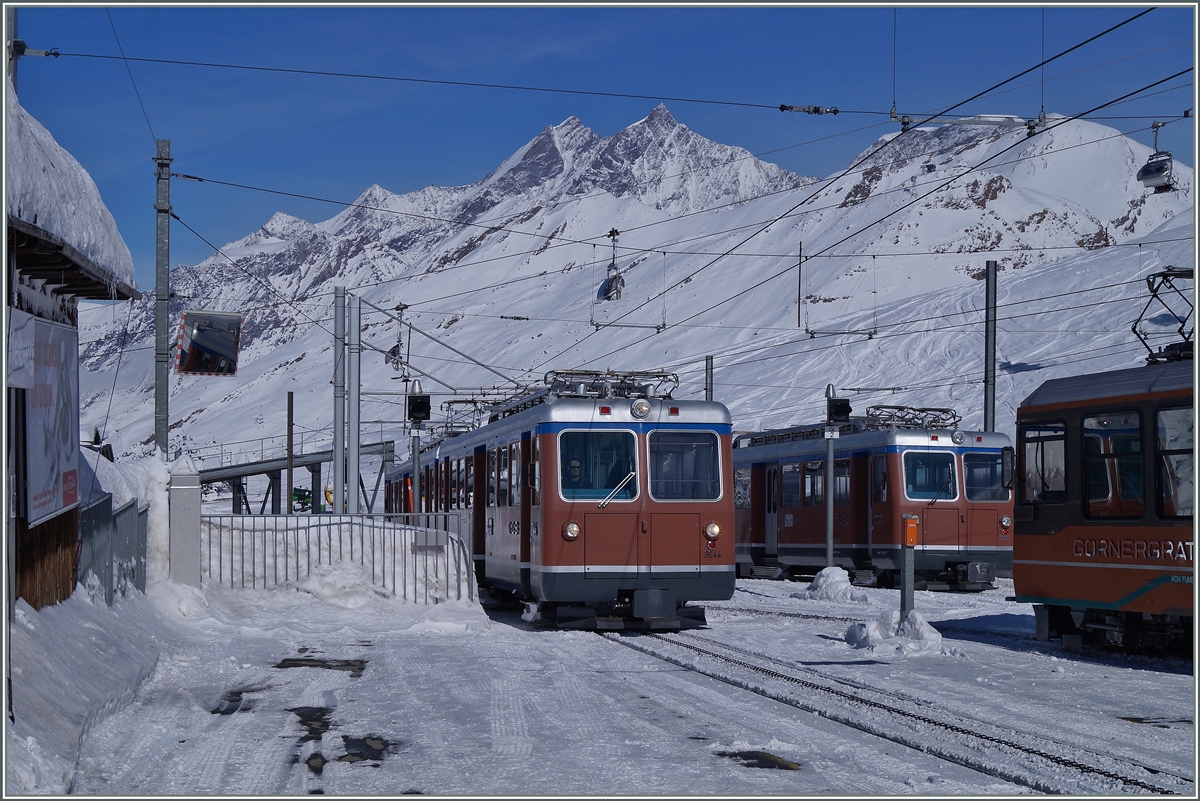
{"points": [[1039, 132]]}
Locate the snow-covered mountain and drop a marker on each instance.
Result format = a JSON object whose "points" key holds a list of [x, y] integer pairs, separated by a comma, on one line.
{"points": [[506, 269]]}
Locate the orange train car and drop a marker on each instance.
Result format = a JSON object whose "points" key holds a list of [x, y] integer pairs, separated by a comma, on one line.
{"points": [[599, 501], [1105, 505], [891, 466]]}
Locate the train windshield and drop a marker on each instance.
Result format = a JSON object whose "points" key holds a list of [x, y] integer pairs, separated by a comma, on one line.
{"points": [[595, 463], [684, 465], [929, 476], [984, 477]]}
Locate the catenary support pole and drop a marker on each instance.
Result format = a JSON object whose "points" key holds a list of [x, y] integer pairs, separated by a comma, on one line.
{"points": [[830, 433], [339, 399], [162, 291], [289, 455], [708, 378], [354, 385], [989, 352]]}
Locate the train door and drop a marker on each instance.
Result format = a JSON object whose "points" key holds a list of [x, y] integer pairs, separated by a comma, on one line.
{"points": [[522, 495], [771, 511], [477, 501], [878, 516]]}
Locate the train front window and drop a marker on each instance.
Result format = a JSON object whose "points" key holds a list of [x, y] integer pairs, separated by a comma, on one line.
{"points": [[929, 476], [684, 465], [983, 475], [1176, 465], [1113, 463], [592, 464], [1044, 454]]}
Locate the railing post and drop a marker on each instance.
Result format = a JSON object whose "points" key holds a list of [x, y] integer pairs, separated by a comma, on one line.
{"points": [[184, 539]]}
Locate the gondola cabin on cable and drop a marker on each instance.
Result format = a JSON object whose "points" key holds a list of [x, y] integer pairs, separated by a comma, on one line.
{"points": [[600, 501], [1105, 506], [893, 466], [208, 343], [1158, 172]]}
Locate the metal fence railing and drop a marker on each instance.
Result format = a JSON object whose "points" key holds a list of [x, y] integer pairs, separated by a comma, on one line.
{"points": [[415, 557], [112, 545]]}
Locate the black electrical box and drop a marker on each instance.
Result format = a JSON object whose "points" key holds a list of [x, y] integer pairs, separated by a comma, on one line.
{"points": [[418, 407]]}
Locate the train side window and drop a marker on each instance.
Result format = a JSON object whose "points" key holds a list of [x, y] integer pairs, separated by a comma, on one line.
{"points": [[1176, 462], [514, 473], [1112, 452], [1043, 453], [790, 497], [502, 483], [841, 482], [814, 484], [983, 475], [535, 490], [879, 479], [469, 481], [741, 488], [491, 469]]}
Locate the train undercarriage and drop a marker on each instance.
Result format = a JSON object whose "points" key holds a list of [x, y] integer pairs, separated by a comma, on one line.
{"points": [[1127, 631]]}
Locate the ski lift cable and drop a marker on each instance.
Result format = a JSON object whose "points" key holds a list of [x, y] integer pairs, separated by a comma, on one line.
{"points": [[897, 210], [893, 140]]}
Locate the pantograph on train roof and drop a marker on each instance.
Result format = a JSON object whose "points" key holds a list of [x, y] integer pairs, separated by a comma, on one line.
{"points": [[877, 418]]}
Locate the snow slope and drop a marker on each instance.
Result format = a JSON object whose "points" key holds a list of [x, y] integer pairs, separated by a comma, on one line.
{"points": [[506, 270]]}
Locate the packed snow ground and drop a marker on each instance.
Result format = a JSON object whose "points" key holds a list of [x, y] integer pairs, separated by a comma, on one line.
{"points": [[187, 691]]}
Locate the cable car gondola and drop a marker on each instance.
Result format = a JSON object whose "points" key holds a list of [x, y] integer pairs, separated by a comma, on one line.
{"points": [[1157, 173]]}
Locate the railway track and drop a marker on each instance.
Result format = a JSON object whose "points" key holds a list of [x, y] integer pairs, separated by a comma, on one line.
{"points": [[1024, 759], [940, 625]]}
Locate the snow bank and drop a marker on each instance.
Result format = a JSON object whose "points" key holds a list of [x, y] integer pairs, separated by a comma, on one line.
{"points": [[889, 633], [831, 584], [73, 664]]}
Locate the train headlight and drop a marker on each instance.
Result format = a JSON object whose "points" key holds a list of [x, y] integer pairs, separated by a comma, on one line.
{"points": [[1006, 521], [640, 408], [958, 437], [570, 531], [712, 531]]}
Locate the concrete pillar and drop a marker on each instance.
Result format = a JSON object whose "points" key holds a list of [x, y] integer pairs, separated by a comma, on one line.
{"points": [[185, 523]]}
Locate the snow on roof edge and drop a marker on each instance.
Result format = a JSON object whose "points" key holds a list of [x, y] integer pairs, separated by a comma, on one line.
{"points": [[45, 186]]}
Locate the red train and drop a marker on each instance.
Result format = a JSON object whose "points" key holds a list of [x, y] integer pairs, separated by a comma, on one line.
{"points": [[599, 501], [891, 464], [1105, 506]]}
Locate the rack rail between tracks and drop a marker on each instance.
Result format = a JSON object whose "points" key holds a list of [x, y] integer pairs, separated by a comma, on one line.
{"points": [[419, 558]]}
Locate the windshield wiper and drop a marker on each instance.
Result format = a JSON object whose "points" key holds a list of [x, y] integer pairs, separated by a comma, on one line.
{"points": [[945, 486], [616, 489]]}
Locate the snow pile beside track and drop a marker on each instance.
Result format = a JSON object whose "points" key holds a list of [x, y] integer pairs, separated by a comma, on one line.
{"points": [[832, 584], [911, 635]]}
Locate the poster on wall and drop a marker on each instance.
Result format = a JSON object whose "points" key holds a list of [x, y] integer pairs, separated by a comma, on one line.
{"points": [[52, 422]]}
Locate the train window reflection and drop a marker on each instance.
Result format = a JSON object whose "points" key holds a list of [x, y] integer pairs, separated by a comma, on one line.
{"points": [[929, 476], [790, 478], [1043, 448], [684, 465], [741, 488], [1113, 460], [1176, 465], [983, 477], [594, 463]]}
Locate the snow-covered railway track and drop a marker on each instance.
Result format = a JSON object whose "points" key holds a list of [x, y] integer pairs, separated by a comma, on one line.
{"points": [[942, 626], [1024, 759]]}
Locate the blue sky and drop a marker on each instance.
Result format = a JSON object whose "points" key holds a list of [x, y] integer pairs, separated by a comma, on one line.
{"points": [[332, 137]]}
